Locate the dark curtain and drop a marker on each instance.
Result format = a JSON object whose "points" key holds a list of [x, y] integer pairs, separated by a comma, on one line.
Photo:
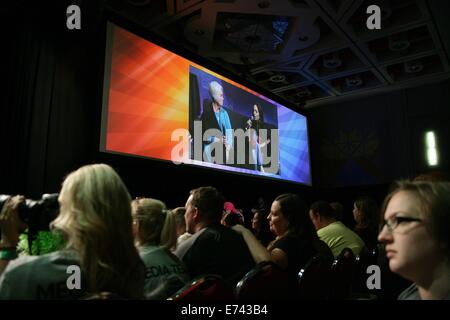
{"points": [[50, 101]]}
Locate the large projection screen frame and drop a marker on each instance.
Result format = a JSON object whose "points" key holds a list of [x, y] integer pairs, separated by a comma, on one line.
{"points": [[199, 65]]}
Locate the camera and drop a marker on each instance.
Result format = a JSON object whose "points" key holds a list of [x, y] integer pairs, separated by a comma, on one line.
{"points": [[37, 214]]}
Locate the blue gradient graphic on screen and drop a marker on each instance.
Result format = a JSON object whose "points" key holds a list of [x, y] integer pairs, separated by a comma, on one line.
{"points": [[294, 151]]}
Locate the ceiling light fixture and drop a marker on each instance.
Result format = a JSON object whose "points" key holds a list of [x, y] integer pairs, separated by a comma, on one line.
{"points": [[399, 42], [303, 92], [303, 38], [354, 81], [332, 61], [277, 78], [413, 66]]}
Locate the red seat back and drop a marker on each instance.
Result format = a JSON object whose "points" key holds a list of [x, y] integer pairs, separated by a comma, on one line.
{"points": [[314, 278], [342, 273], [366, 258], [205, 287], [266, 281]]}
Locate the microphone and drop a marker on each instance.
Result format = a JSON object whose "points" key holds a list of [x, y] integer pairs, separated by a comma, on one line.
{"points": [[248, 125]]}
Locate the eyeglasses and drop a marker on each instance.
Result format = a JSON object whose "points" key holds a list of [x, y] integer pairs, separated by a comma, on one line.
{"points": [[393, 223]]}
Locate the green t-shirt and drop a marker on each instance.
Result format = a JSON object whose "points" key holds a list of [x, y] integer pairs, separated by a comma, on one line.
{"points": [[337, 236]]}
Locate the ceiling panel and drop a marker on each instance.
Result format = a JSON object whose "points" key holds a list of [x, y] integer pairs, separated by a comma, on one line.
{"points": [[310, 52]]}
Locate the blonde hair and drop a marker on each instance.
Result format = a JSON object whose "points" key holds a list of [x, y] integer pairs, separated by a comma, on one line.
{"points": [[156, 223], [95, 216]]}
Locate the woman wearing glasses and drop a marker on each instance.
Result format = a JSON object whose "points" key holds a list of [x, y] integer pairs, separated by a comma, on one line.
{"points": [[417, 239]]}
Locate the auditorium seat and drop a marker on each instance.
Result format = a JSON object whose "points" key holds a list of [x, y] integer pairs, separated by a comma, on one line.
{"points": [[342, 273], [266, 281], [103, 296], [205, 287], [314, 278], [366, 258]]}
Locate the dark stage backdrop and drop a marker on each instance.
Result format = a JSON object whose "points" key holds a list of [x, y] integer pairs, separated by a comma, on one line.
{"points": [[50, 102], [378, 139]]}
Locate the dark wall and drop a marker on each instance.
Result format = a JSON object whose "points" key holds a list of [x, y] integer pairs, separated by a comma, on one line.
{"points": [[378, 139]]}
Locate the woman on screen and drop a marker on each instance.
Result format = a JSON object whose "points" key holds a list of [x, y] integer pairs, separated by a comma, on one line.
{"points": [[257, 137]]}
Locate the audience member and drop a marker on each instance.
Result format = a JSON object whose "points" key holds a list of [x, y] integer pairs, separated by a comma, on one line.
{"points": [[334, 233], [155, 234], [213, 248], [338, 210], [95, 217], [232, 219], [433, 176], [417, 239], [180, 224], [366, 215], [182, 233], [231, 216], [296, 241]]}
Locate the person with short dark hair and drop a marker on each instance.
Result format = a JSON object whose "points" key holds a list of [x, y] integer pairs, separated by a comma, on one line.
{"points": [[333, 232], [417, 239], [212, 248]]}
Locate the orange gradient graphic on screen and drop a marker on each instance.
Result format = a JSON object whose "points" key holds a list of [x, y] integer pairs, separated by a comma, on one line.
{"points": [[148, 96]]}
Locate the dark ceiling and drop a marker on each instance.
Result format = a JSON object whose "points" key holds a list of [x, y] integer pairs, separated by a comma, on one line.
{"points": [[310, 52]]}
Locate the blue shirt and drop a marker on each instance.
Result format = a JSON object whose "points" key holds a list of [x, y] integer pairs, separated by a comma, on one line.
{"points": [[224, 124]]}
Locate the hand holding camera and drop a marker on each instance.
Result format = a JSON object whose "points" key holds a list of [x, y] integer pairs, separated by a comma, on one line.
{"points": [[19, 214], [10, 224]]}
